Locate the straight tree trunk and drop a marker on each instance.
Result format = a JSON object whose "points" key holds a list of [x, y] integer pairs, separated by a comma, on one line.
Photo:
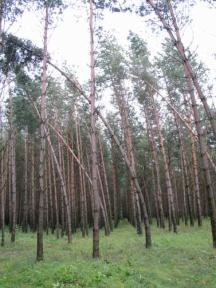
{"points": [[55, 198], [40, 255], [166, 168], [2, 199], [96, 206], [3, 169], [104, 173], [81, 183], [203, 152], [84, 185], [157, 170], [25, 203], [12, 180], [103, 205], [49, 190], [33, 187], [115, 186]]}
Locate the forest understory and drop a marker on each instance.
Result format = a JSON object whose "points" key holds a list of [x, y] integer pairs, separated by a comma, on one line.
{"points": [[108, 181], [178, 260]]}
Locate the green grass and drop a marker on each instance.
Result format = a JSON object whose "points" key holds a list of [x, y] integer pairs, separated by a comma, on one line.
{"points": [[183, 260]]}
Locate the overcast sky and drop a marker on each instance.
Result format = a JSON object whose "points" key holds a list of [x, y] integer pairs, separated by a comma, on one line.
{"points": [[69, 38]]}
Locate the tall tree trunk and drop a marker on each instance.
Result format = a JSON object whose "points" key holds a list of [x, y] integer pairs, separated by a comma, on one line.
{"points": [[61, 199], [81, 182], [203, 152], [166, 168], [2, 199], [55, 197], [157, 170], [127, 141], [3, 172], [13, 173], [84, 185], [73, 191], [40, 255], [46, 203], [77, 86], [186, 173], [104, 173], [196, 180], [25, 203], [103, 205], [115, 186], [181, 50], [96, 206], [49, 190], [33, 187]]}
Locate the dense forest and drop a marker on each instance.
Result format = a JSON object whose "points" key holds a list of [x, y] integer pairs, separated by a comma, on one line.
{"points": [[68, 166]]}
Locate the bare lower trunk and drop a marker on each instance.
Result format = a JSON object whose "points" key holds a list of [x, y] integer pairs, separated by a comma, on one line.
{"points": [[12, 180], [49, 190], [115, 187], [103, 206], [56, 206], [40, 255], [203, 151], [25, 203], [33, 188], [81, 182], [96, 210], [157, 170], [166, 170], [107, 195]]}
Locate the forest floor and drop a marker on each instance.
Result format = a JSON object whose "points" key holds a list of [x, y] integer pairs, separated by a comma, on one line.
{"points": [[185, 260]]}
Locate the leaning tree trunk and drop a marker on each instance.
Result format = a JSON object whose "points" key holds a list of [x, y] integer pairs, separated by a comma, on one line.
{"points": [[176, 39], [132, 173]]}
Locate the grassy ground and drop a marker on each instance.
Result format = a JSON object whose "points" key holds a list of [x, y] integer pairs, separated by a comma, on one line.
{"points": [[182, 260]]}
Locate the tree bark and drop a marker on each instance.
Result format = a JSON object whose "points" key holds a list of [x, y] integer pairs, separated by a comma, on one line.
{"points": [[96, 206], [25, 203], [166, 170], [40, 255]]}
